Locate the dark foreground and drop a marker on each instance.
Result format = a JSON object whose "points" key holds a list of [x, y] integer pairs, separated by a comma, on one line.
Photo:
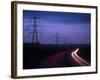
{"points": [[39, 56]]}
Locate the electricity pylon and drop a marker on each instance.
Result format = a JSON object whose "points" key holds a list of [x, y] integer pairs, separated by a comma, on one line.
{"points": [[57, 38], [35, 32]]}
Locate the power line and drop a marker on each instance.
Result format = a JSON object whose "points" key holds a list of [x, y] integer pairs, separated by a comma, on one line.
{"points": [[35, 32]]}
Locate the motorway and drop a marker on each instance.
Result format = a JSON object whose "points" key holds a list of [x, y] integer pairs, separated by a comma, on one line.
{"points": [[78, 59], [65, 59]]}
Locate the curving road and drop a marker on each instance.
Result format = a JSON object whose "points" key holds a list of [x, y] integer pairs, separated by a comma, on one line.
{"points": [[78, 59], [67, 59]]}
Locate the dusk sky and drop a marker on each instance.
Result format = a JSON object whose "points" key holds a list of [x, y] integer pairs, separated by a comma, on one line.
{"points": [[72, 28]]}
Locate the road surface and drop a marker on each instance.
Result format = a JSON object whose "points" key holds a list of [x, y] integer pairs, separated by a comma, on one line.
{"points": [[65, 59]]}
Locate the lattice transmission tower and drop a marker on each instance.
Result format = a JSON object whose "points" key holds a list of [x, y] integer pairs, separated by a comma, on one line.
{"points": [[35, 32]]}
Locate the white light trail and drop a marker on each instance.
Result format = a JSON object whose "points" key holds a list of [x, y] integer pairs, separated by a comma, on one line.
{"points": [[78, 59]]}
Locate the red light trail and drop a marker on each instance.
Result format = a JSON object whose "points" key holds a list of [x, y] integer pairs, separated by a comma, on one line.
{"points": [[72, 56]]}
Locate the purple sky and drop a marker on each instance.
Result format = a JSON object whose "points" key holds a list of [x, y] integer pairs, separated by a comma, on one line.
{"points": [[73, 28]]}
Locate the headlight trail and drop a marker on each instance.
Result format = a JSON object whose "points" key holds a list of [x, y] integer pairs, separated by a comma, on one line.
{"points": [[78, 59], [70, 57]]}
